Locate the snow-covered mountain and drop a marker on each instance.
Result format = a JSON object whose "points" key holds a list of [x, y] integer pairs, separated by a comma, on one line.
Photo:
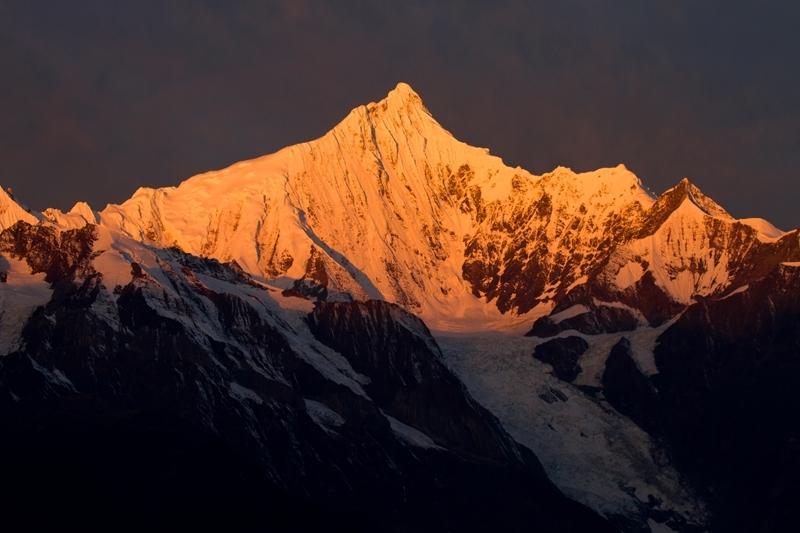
{"points": [[685, 247], [389, 205], [381, 203], [283, 304]]}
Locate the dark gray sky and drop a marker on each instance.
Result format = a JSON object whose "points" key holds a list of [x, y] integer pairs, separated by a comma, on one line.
{"points": [[99, 97]]}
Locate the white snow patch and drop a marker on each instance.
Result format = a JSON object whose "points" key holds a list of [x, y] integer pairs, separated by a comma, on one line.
{"points": [[580, 281], [640, 318], [55, 376], [738, 290], [764, 228], [657, 527], [324, 416], [412, 435], [243, 393], [20, 295], [575, 310]]}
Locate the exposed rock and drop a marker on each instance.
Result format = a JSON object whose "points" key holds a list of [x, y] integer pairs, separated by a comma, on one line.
{"points": [[314, 283], [408, 379], [628, 390], [562, 354]]}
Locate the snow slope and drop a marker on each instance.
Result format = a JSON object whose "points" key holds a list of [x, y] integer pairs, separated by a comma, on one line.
{"points": [[20, 294], [11, 211], [591, 452]]}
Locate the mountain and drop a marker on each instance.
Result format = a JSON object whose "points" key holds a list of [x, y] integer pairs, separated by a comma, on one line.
{"points": [[683, 248], [383, 326], [391, 206], [317, 435]]}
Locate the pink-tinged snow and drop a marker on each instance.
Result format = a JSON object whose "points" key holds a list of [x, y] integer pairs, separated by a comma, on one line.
{"points": [[735, 291], [373, 198], [77, 217], [11, 212], [592, 453], [569, 312], [117, 251], [767, 231], [20, 295], [681, 242], [628, 275], [369, 196]]}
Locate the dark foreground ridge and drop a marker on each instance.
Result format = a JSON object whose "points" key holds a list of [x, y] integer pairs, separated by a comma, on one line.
{"points": [[169, 401]]}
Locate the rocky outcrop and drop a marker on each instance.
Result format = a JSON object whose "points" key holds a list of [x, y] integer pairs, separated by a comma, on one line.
{"points": [[314, 283], [562, 354], [408, 378], [628, 390], [60, 255]]}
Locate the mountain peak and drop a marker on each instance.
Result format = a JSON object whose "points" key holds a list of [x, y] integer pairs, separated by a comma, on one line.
{"points": [[11, 211], [686, 190], [403, 90], [400, 100], [683, 195], [401, 113], [83, 210], [403, 94]]}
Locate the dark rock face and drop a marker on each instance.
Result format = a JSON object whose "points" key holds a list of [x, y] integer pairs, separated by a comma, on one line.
{"points": [[729, 372], [628, 390], [60, 255], [511, 259], [563, 355], [95, 466], [409, 381], [598, 319], [314, 283], [168, 395]]}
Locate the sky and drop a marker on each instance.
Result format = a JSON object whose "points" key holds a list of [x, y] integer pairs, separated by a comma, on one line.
{"points": [[98, 98]]}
